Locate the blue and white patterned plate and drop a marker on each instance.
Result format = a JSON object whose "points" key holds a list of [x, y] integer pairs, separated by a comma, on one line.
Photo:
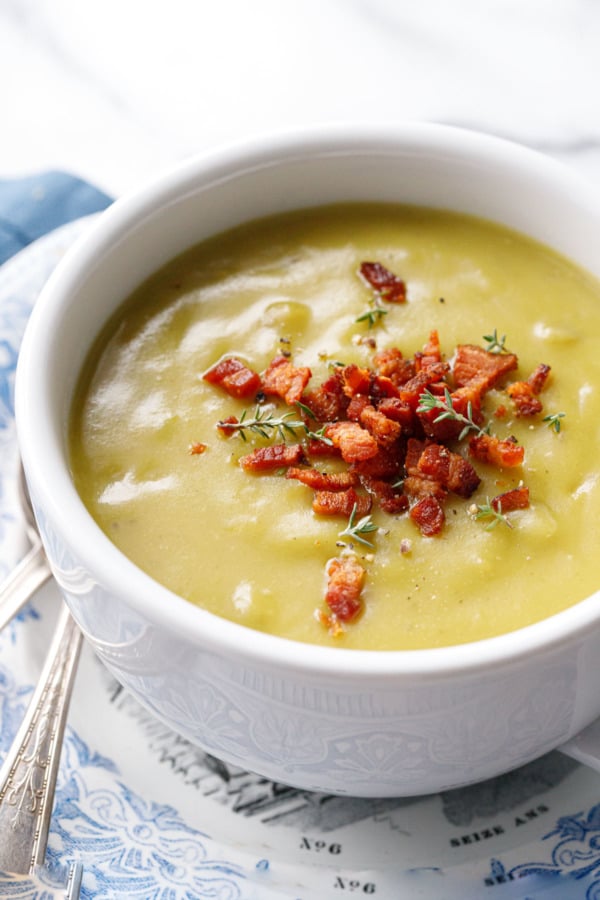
{"points": [[151, 816]]}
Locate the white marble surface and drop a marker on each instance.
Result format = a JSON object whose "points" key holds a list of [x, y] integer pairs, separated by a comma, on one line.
{"points": [[116, 90]]}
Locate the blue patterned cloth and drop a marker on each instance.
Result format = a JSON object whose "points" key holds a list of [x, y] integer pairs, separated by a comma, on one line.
{"points": [[32, 206]]}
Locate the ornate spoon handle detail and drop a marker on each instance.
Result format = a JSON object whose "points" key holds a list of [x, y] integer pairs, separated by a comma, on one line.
{"points": [[28, 774]]}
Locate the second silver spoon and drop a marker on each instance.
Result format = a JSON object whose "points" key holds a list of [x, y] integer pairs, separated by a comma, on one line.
{"points": [[28, 774]]}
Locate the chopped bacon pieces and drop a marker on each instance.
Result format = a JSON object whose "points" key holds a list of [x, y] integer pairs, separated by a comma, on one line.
{"points": [[397, 410], [341, 503], [356, 406], [429, 515], [385, 283], [418, 486], [517, 498], [328, 402], [234, 377], [323, 481], [410, 392], [538, 378], [432, 352], [345, 580], [316, 447], [472, 361], [524, 393], [385, 431], [228, 426], [391, 499], [398, 443], [391, 364], [355, 443], [197, 448], [489, 449], [451, 470], [275, 456], [285, 380], [355, 380], [385, 464]]}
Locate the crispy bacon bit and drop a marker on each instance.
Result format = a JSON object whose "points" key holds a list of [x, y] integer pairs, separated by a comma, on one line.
{"points": [[285, 380], [472, 361], [227, 426], [328, 402], [275, 456], [466, 401], [320, 449], [323, 481], [429, 515], [410, 393], [354, 442], [518, 498], [385, 464], [341, 503], [391, 500], [382, 387], [385, 283], [432, 352], [524, 393], [418, 486], [414, 449], [197, 448], [330, 622], [356, 406], [345, 579], [385, 431], [355, 380], [490, 449], [450, 469], [538, 378], [395, 408], [391, 364], [234, 377]]}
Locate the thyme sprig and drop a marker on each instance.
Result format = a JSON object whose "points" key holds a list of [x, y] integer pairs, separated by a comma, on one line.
{"points": [[489, 511], [315, 435], [266, 424], [495, 344], [374, 314], [319, 435], [429, 402], [356, 530], [553, 421]]}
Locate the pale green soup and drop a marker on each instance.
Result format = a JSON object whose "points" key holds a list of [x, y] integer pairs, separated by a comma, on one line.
{"points": [[249, 547]]}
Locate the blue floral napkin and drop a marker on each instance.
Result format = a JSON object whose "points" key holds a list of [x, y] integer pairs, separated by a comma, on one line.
{"points": [[29, 208], [32, 206]]}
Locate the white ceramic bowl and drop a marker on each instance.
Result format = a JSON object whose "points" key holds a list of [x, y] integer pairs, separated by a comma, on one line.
{"points": [[357, 722]]}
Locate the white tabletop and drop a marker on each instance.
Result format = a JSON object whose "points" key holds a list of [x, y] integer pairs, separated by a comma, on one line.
{"points": [[117, 90]]}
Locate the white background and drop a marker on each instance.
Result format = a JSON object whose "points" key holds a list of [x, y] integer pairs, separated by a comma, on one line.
{"points": [[117, 90]]}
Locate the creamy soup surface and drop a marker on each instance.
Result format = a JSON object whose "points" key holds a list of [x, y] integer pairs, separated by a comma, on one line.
{"points": [[249, 547]]}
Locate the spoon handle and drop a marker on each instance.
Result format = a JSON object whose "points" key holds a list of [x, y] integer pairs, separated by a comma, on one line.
{"points": [[28, 774], [16, 589]]}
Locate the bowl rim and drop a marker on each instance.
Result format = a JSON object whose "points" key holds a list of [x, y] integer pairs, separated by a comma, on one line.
{"points": [[58, 498]]}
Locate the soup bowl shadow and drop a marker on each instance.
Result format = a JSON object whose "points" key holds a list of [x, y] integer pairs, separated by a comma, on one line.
{"points": [[363, 723]]}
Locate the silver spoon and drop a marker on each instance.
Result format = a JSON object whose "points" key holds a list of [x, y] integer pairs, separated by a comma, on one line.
{"points": [[32, 572], [28, 773]]}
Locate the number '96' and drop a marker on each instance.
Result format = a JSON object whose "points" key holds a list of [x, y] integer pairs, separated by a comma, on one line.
{"points": [[352, 884]]}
